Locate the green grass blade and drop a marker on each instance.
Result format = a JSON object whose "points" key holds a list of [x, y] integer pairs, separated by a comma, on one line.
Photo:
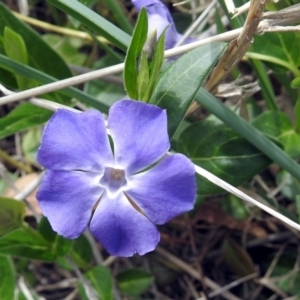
{"points": [[30, 72], [254, 136], [119, 15], [265, 84], [94, 22]]}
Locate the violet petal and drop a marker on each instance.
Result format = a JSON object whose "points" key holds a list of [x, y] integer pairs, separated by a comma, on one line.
{"points": [[166, 190], [159, 18], [67, 198], [121, 229], [75, 141], [139, 133]]}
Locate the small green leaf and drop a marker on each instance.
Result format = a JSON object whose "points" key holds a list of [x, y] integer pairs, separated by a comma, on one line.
{"points": [[101, 280], [235, 207], [82, 252], [67, 47], [295, 84], [14, 46], [131, 61], [220, 150], [290, 186], [142, 81], [21, 118], [290, 283], [11, 214], [134, 282], [41, 56], [249, 132], [179, 84], [28, 243], [30, 143], [15, 49], [119, 15], [7, 279], [60, 245], [279, 48], [107, 93], [277, 124], [237, 258], [156, 64]]}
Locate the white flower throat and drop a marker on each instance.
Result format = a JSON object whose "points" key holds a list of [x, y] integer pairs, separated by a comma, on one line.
{"points": [[113, 179]]}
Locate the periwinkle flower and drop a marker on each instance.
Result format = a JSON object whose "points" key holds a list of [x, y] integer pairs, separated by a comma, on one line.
{"points": [[121, 193], [159, 18]]}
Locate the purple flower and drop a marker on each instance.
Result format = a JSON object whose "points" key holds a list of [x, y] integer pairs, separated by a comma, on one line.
{"points": [[159, 18], [137, 185]]}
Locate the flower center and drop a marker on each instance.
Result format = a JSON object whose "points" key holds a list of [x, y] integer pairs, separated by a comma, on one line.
{"points": [[113, 179]]}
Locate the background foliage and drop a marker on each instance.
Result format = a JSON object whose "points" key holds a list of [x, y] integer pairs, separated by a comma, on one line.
{"points": [[248, 136]]}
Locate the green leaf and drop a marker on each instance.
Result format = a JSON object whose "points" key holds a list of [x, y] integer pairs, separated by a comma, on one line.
{"points": [[265, 84], [94, 22], [250, 133], [82, 252], [60, 245], [277, 124], [179, 84], [30, 143], [142, 81], [107, 93], [67, 47], [23, 117], [237, 258], [15, 49], [290, 283], [7, 279], [290, 186], [11, 214], [295, 84], [44, 78], [278, 48], [119, 15], [131, 61], [235, 207], [41, 56], [7, 78], [221, 151], [101, 280], [156, 64], [28, 243], [134, 282]]}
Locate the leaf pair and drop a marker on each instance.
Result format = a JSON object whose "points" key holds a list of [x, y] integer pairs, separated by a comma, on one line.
{"points": [[143, 60]]}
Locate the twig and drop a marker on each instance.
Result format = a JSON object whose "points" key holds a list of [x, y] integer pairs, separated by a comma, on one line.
{"points": [[109, 260], [230, 6], [194, 273], [95, 249], [58, 29], [231, 285], [196, 23], [6, 178], [66, 283], [24, 289], [14, 162], [29, 188], [89, 290], [226, 186], [237, 48]]}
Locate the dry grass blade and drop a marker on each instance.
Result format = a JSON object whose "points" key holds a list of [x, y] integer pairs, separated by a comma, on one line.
{"points": [[237, 48]]}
